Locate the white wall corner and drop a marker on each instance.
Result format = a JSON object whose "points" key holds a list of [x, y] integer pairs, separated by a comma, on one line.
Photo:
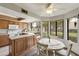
{"points": [[65, 30]]}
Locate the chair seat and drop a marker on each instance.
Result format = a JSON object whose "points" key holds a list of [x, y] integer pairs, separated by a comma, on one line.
{"points": [[4, 51], [62, 52]]}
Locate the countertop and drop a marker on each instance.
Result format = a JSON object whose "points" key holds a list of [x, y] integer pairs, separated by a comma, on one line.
{"points": [[21, 36]]}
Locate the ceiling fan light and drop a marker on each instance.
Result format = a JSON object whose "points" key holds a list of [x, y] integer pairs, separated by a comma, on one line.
{"points": [[49, 11]]}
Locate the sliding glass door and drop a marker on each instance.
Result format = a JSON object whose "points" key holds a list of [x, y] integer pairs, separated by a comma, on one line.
{"points": [[53, 28], [60, 28], [57, 28], [45, 31], [72, 29]]}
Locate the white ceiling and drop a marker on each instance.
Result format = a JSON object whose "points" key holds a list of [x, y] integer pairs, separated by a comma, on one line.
{"points": [[40, 8], [12, 13]]}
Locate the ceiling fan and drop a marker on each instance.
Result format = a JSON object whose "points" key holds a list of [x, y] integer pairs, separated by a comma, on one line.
{"points": [[49, 8], [48, 5]]}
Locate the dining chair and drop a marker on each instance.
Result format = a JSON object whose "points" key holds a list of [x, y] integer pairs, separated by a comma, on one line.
{"points": [[38, 37], [65, 52], [42, 49]]}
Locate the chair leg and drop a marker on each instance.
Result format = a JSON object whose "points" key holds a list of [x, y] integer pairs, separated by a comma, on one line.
{"points": [[47, 52], [38, 51], [53, 52]]}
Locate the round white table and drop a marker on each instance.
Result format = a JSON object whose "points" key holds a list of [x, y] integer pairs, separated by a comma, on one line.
{"points": [[52, 44]]}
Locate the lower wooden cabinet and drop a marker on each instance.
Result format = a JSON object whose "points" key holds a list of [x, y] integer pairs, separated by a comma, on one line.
{"points": [[19, 46], [4, 40]]}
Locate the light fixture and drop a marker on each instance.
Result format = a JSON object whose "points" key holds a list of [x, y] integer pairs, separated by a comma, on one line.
{"points": [[49, 9], [34, 24]]}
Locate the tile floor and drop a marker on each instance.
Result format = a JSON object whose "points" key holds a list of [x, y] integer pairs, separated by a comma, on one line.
{"points": [[33, 52]]}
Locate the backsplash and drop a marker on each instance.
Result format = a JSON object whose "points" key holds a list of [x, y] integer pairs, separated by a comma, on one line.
{"points": [[3, 31], [13, 32], [9, 31]]}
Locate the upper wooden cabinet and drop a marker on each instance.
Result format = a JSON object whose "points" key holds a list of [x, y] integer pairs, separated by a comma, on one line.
{"points": [[6, 20], [3, 24]]}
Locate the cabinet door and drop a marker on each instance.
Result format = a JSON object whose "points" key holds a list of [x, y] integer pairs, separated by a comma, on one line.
{"points": [[4, 40], [3, 24], [34, 40], [26, 43], [19, 46]]}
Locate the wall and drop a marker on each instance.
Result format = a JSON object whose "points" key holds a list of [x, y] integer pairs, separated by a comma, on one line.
{"points": [[75, 48], [3, 31]]}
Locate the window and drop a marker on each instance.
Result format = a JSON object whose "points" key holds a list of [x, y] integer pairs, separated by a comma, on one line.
{"points": [[45, 28], [60, 28], [35, 27], [56, 28], [53, 28], [72, 29]]}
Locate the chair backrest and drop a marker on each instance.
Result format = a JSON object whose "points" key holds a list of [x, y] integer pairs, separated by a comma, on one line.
{"points": [[69, 49], [42, 47]]}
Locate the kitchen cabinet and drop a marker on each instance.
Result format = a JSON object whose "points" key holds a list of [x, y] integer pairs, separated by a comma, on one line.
{"points": [[20, 45], [4, 40], [6, 20], [28, 42], [3, 24]]}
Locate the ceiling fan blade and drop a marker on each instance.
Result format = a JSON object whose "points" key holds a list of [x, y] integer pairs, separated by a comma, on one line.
{"points": [[48, 5], [20, 18]]}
